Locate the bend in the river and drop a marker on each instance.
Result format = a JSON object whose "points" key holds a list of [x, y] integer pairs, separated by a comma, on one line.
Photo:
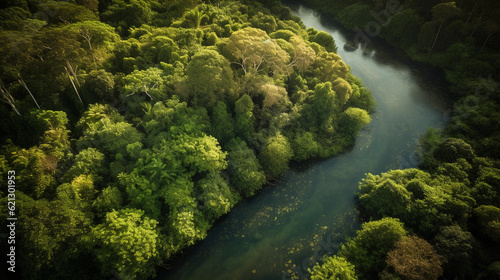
{"points": [[283, 224]]}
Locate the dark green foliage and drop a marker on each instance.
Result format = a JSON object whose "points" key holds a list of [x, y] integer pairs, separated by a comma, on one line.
{"points": [[247, 174], [244, 117], [456, 246], [368, 249], [324, 39], [223, 123], [488, 220], [275, 155], [209, 79], [125, 14], [453, 149]]}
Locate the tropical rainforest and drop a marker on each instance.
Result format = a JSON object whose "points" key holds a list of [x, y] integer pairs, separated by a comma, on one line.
{"points": [[131, 126], [441, 221]]}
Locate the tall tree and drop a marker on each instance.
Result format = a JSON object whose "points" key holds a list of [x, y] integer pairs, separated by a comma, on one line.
{"points": [[209, 78], [333, 268], [275, 155], [369, 248], [255, 51], [441, 13], [127, 242]]}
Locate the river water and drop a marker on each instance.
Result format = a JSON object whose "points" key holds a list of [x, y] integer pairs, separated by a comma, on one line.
{"points": [[309, 211]]}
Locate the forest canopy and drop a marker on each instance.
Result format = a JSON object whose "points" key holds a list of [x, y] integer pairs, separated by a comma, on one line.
{"points": [[132, 126]]}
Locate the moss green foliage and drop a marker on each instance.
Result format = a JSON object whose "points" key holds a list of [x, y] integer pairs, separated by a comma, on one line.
{"points": [[148, 125], [368, 249], [335, 267]]}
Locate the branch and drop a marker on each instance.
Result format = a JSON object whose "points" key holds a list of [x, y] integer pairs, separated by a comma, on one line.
{"points": [[71, 80], [8, 98], [29, 91], [146, 91]]}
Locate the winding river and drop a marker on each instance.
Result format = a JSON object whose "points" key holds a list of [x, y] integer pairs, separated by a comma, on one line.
{"points": [[309, 211]]}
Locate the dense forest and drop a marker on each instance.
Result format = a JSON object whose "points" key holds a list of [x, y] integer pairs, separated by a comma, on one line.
{"points": [[441, 221], [130, 126]]}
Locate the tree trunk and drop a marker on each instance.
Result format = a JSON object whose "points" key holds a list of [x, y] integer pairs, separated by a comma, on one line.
{"points": [[477, 25], [437, 35], [8, 98], [73, 83], [29, 91], [485, 41]]}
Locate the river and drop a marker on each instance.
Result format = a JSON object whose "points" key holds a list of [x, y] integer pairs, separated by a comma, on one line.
{"points": [[309, 211]]}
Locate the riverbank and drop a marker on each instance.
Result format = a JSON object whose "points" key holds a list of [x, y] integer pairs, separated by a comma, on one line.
{"points": [[447, 210], [264, 237], [464, 54]]}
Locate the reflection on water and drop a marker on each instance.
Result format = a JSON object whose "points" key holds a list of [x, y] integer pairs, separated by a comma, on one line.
{"points": [[310, 210]]}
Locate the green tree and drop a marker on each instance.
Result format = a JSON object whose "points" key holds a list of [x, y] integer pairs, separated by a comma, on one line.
{"points": [[303, 54], [353, 120], [488, 220], [343, 90], [127, 242], [246, 172], [403, 28], [98, 86], [148, 82], [87, 162], [383, 197], [323, 107], [66, 12], [216, 198], [36, 171], [329, 66], [200, 154], [209, 78], [368, 250], [244, 117], [78, 194], [305, 146], [324, 39], [196, 17], [110, 199], [110, 136], [441, 13], [333, 268], [52, 236], [275, 155], [223, 123], [97, 37], [452, 149], [457, 247], [55, 140], [125, 14]]}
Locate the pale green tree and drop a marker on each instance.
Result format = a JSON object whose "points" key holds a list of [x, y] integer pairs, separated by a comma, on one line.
{"points": [[127, 242], [333, 268], [255, 51]]}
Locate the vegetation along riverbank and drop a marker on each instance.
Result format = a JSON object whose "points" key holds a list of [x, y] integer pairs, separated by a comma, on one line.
{"points": [[132, 126], [440, 221]]}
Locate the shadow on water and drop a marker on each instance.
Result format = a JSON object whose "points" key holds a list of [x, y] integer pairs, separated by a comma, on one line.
{"points": [[313, 204]]}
